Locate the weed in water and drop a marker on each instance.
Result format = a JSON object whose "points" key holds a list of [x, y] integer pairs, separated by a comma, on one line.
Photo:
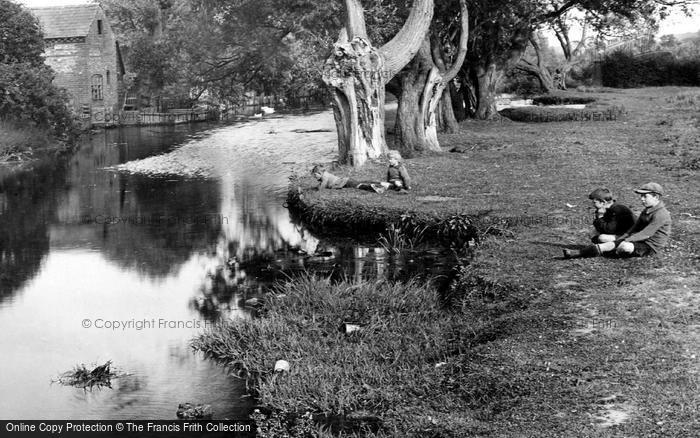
{"points": [[82, 377]]}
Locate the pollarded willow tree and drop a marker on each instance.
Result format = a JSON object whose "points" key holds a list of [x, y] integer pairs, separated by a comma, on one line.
{"points": [[357, 73], [420, 87]]}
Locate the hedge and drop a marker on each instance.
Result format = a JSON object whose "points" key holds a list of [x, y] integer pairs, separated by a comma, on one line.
{"points": [[535, 114], [624, 70]]}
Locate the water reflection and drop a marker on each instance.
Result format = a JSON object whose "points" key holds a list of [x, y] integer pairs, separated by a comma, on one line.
{"points": [[63, 262], [79, 241], [25, 203]]}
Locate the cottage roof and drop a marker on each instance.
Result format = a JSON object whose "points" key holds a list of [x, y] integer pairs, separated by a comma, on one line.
{"points": [[66, 21]]}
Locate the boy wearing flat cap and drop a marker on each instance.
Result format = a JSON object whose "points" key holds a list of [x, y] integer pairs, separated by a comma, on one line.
{"points": [[649, 234]]}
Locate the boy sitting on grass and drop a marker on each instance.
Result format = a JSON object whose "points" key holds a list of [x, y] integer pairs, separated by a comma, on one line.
{"points": [[649, 234], [611, 219], [397, 178]]}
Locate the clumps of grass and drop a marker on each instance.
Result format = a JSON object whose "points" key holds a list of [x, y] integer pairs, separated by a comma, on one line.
{"points": [[689, 161], [535, 114], [562, 99], [277, 424], [683, 146], [392, 363], [406, 235], [393, 240], [685, 100], [82, 377]]}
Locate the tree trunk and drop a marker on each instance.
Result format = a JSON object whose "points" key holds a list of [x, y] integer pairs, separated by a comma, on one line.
{"points": [[421, 105], [459, 107], [544, 77], [538, 69], [450, 123], [357, 74], [468, 87], [564, 70], [432, 95], [411, 130], [546, 80], [354, 75], [488, 79]]}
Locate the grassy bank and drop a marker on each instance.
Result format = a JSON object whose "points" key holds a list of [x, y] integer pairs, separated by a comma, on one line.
{"points": [[379, 375], [17, 141], [532, 345]]}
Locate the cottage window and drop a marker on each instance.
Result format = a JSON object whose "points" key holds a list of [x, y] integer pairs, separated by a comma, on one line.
{"points": [[108, 81], [96, 87], [99, 27]]}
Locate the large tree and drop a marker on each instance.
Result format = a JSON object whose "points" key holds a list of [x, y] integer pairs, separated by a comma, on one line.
{"points": [[536, 62], [500, 34], [357, 73], [422, 84], [573, 50]]}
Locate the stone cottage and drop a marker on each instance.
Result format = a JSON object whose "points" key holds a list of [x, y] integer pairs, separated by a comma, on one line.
{"points": [[82, 49]]}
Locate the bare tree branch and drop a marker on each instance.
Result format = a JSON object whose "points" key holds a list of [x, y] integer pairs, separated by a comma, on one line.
{"points": [[355, 20]]}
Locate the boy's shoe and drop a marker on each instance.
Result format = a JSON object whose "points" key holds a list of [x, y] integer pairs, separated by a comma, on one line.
{"points": [[377, 188], [571, 253], [589, 251]]}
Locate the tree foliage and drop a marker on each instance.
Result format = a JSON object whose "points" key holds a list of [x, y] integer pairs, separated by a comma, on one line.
{"points": [[21, 39], [27, 94], [220, 49]]}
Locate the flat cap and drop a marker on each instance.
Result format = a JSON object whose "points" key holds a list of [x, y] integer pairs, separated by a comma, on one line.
{"points": [[651, 187]]}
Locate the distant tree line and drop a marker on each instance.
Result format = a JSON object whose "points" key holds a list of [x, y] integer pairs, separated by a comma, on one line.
{"points": [[670, 62]]}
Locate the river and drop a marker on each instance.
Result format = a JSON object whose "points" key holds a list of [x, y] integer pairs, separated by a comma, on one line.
{"points": [[140, 239]]}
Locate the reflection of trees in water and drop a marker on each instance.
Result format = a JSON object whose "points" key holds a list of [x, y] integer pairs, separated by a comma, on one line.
{"points": [[262, 245], [255, 271], [171, 220], [26, 205], [140, 223]]}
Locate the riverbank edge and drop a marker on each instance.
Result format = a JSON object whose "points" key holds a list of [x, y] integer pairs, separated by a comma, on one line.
{"points": [[578, 347], [21, 144], [343, 216]]}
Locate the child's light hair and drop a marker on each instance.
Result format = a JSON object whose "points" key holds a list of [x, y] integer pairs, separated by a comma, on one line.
{"points": [[394, 154]]}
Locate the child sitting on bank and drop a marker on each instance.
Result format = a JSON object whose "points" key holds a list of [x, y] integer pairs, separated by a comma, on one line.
{"points": [[329, 181], [647, 236], [611, 219], [397, 178]]}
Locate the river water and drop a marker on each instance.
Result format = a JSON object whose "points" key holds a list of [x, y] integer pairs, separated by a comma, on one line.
{"points": [[138, 241]]}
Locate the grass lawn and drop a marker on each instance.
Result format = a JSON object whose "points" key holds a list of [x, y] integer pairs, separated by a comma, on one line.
{"points": [[545, 346]]}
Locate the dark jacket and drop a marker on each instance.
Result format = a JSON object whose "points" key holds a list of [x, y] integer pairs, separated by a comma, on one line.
{"points": [[399, 173], [653, 227], [616, 220]]}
